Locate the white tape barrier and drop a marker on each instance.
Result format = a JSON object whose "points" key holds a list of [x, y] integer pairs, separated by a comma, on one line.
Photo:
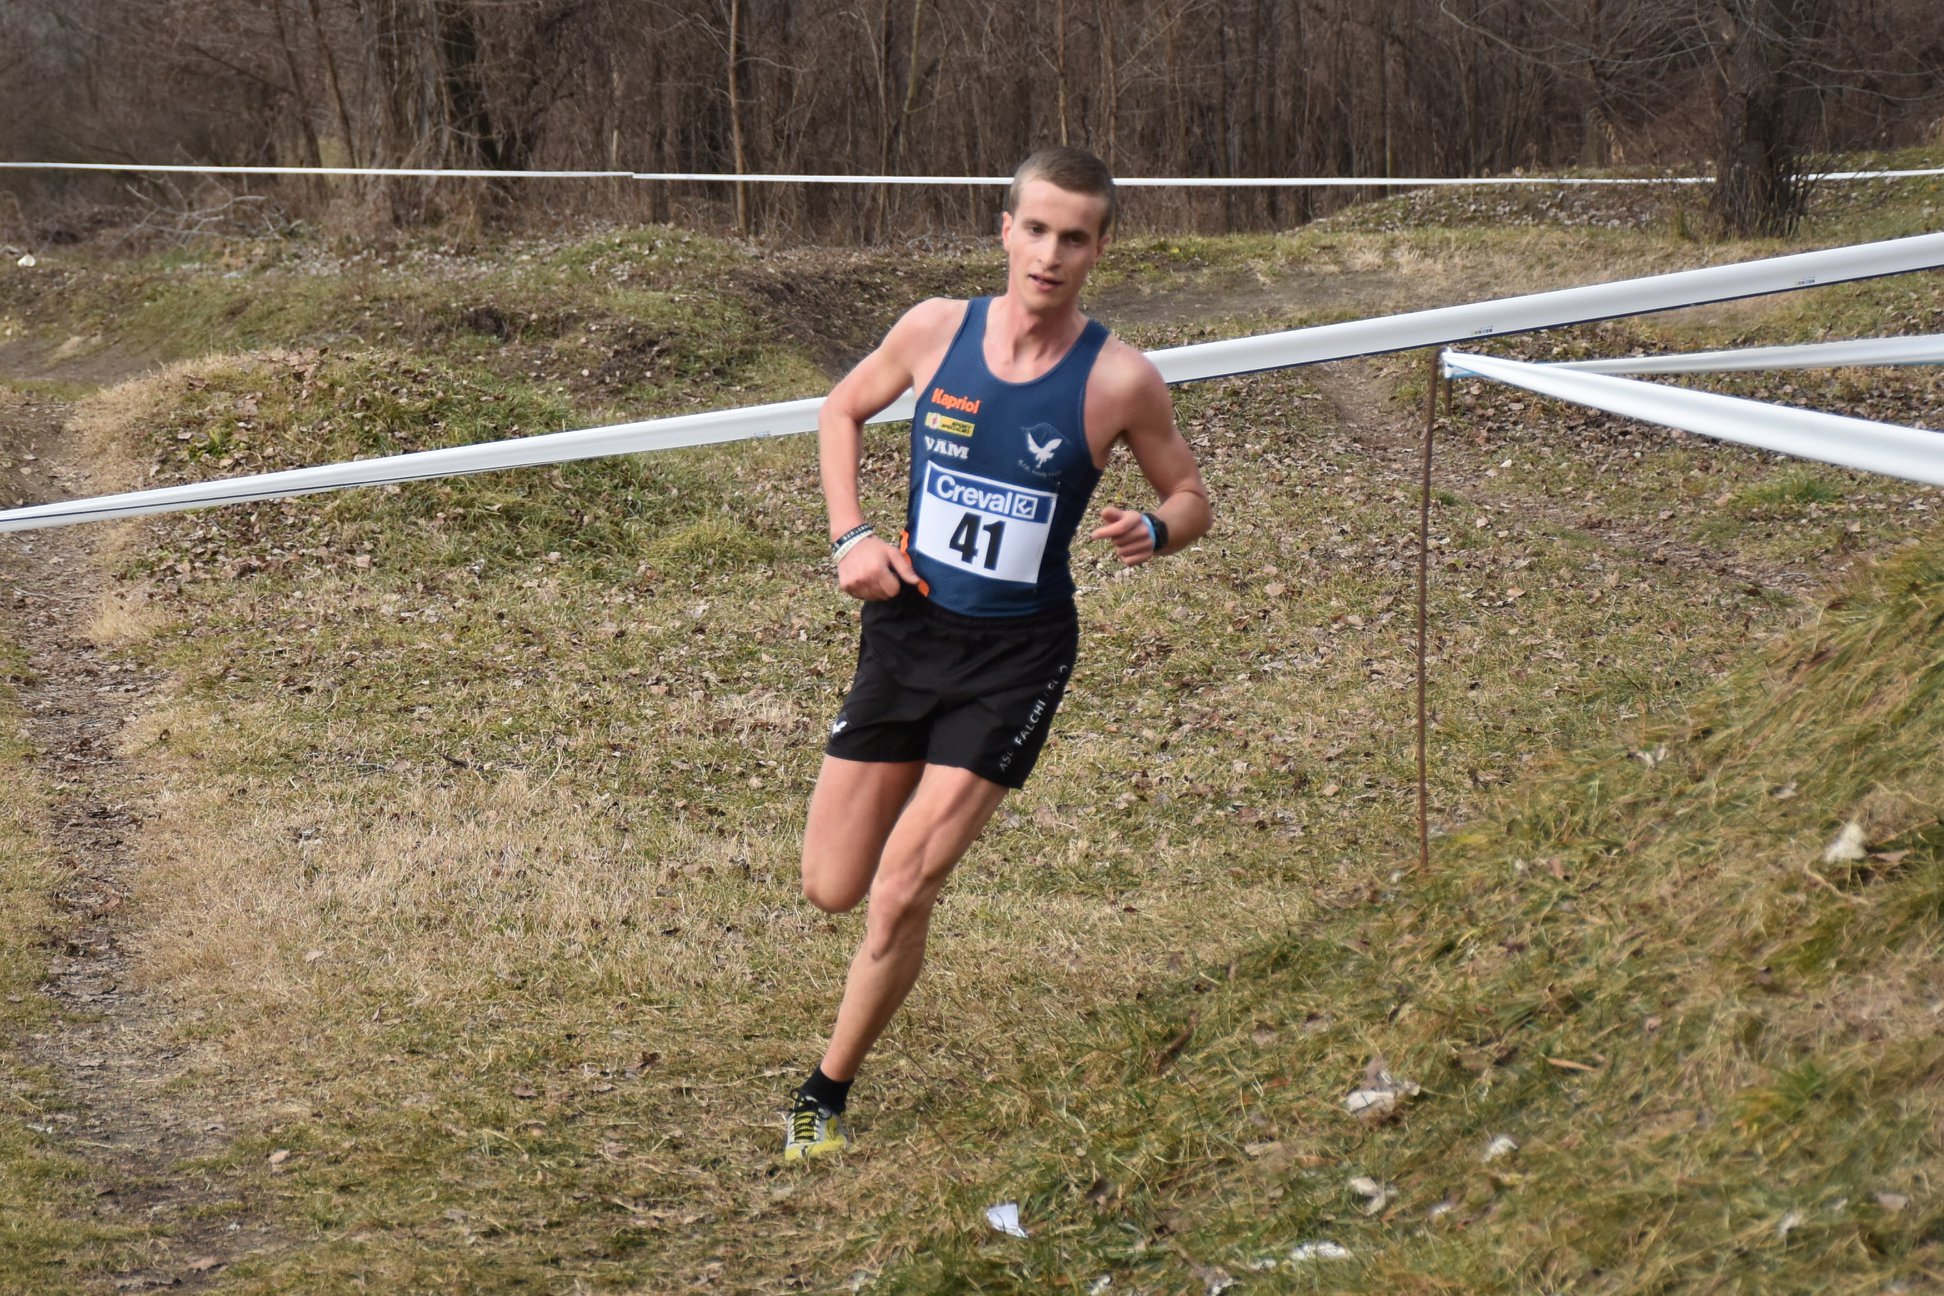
{"points": [[1884, 448], [1177, 365], [1550, 309], [786, 418], [1928, 349], [1130, 182], [1281, 182]]}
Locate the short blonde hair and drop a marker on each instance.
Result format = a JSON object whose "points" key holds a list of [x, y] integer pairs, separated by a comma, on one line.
{"points": [[1072, 169]]}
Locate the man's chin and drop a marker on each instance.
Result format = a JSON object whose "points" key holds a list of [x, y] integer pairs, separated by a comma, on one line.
{"points": [[1036, 296]]}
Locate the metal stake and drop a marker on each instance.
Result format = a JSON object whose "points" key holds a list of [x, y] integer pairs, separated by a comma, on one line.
{"points": [[1424, 583]]}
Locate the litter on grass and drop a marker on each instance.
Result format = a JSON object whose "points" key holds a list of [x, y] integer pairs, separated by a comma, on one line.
{"points": [[1303, 1254], [1005, 1218], [1848, 846], [1376, 1195], [1502, 1145], [1378, 1097]]}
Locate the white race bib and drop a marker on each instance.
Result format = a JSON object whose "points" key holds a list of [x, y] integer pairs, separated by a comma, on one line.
{"points": [[984, 527]]}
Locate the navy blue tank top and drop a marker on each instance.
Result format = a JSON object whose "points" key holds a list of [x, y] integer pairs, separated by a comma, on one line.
{"points": [[1000, 477]]}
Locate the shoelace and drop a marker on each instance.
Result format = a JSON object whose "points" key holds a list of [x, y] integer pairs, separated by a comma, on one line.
{"points": [[803, 1125]]}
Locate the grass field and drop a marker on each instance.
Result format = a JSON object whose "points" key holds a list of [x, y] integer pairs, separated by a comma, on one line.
{"points": [[463, 898]]}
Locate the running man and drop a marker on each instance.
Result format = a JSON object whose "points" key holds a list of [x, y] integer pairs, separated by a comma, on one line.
{"points": [[969, 629]]}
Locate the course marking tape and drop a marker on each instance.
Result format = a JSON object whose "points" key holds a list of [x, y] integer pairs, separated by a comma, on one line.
{"points": [[1436, 327], [1131, 182], [1886, 448], [1923, 350]]}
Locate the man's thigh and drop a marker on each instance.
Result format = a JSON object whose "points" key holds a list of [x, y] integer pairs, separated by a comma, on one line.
{"points": [[852, 812]]}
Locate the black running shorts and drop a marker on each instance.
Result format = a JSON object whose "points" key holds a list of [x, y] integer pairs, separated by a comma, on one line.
{"points": [[974, 693]]}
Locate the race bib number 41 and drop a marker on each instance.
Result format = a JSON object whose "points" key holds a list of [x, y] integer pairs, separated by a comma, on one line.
{"points": [[981, 526]]}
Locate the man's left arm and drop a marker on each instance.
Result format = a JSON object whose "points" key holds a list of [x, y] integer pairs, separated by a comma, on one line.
{"points": [[1142, 402]]}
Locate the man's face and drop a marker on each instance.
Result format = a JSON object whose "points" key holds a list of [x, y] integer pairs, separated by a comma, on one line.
{"points": [[1051, 242]]}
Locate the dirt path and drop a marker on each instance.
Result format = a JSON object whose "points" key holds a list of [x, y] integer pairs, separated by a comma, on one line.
{"points": [[1393, 438], [109, 1055]]}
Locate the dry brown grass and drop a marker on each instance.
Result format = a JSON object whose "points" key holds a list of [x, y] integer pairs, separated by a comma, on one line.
{"points": [[470, 876], [125, 616]]}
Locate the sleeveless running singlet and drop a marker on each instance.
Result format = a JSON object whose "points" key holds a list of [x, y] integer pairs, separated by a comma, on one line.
{"points": [[1000, 477]]}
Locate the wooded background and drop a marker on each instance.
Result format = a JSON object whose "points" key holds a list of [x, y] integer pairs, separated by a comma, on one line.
{"points": [[1157, 87]]}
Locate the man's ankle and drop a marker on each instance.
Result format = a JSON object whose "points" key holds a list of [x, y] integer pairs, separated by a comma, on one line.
{"points": [[824, 1092]]}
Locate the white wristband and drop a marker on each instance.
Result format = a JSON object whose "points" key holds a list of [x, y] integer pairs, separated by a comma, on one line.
{"points": [[837, 554]]}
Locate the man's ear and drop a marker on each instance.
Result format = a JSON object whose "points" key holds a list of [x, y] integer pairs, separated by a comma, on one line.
{"points": [[1005, 225]]}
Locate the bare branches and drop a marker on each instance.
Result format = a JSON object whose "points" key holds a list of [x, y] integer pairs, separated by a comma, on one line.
{"points": [[1197, 87]]}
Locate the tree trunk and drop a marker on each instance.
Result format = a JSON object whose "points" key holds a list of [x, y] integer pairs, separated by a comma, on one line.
{"points": [[1060, 63], [1759, 188], [300, 92], [735, 113], [335, 85]]}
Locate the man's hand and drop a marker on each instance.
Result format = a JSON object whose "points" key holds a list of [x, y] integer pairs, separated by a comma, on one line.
{"points": [[1127, 531], [875, 571]]}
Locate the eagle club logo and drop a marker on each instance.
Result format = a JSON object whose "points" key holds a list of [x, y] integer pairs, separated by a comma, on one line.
{"points": [[1042, 440]]}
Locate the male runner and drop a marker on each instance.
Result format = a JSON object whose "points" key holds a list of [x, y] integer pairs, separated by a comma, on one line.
{"points": [[969, 628]]}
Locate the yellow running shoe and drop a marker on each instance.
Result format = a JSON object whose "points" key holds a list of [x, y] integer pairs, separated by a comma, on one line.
{"points": [[814, 1131]]}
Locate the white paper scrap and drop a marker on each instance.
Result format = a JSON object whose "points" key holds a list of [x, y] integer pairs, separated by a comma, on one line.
{"points": [[1502, 1145], [1376, 1195], [1850, 844], [1005, 1218], [1371, 1103], [1318, 1251]]}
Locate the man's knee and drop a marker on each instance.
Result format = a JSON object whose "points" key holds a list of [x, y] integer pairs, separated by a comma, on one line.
{"points": [[830, 886], [895, 918], [902, 900]]}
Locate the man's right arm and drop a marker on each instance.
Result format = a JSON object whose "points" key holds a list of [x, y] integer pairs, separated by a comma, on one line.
{"points": [[873, 569]]}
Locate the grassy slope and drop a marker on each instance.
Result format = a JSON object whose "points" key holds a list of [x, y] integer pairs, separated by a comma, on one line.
{"points": [[1719, 1055], [507, 772]]}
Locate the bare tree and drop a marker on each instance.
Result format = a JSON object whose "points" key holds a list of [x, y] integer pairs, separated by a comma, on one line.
{"points": [[1198, 87]]}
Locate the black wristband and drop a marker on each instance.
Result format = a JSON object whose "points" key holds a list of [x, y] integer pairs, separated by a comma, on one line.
{"points": [[1160, 532], [861, 529]]}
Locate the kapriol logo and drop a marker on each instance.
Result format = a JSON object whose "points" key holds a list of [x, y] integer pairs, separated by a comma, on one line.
{"points": [[937, 421]]}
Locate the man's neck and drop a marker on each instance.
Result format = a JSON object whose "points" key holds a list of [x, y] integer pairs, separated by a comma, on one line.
{"points": [[1025, 336]]}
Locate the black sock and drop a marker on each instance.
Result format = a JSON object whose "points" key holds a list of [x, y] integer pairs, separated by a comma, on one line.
{"points": [[824, 1091]]}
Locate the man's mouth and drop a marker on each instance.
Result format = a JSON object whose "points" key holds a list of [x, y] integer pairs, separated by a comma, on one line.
{"points": [[1044, 281]]}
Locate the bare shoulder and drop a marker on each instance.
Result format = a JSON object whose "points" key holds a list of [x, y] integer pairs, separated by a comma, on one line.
{"points": [[1124, 374], [927, 325], [1126, 392]]}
